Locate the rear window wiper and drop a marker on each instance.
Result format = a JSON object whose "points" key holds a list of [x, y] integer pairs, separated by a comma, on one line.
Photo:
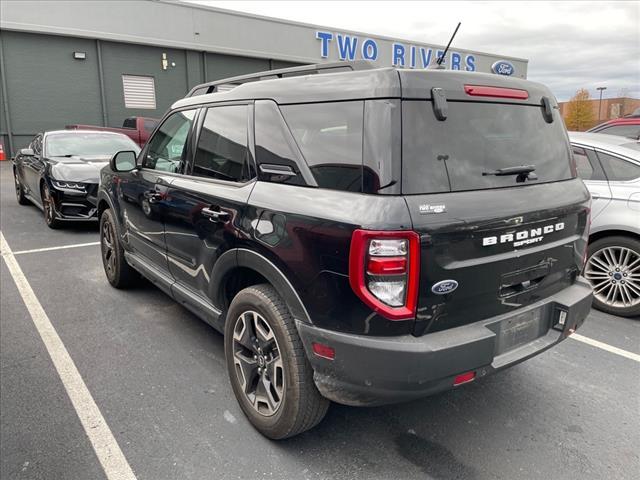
{"points": [[524, 172], [519, 170]]}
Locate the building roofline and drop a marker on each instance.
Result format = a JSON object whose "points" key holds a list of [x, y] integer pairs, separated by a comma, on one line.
{"points": [[238, 13], [228, 50]]}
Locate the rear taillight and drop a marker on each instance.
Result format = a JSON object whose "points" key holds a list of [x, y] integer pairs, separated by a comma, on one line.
{"points": [[384, 270]]}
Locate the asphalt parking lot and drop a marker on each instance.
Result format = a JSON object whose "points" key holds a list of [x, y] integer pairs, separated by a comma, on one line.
{"points": [[158, 377]]}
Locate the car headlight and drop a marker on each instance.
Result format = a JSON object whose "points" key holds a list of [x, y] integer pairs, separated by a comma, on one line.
{"points": [[64, 185]]}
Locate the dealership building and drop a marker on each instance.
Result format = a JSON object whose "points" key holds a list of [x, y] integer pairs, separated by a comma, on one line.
{"points": [[99, 62]]}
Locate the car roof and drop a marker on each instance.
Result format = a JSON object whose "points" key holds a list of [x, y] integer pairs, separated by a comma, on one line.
{"points": [[373, 83], [620, 121], [602, 141], [84, 130]]}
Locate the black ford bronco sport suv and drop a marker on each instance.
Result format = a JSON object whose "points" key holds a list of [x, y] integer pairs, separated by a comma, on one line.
{"points": [[359, 235]]}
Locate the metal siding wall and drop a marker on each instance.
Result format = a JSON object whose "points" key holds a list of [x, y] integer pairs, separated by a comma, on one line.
{"points": [[194, 68], [222, 66], [47, 88], [122, 58], [276, 64]]}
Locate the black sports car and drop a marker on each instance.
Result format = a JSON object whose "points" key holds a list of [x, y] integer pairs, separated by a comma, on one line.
{"points": [[59, 172]]}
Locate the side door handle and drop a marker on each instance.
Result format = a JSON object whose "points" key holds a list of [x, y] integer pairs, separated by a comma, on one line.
{"points": [[216, 215]]}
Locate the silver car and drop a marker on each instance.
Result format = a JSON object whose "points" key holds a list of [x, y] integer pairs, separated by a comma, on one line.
{"points": [[610, 168]]}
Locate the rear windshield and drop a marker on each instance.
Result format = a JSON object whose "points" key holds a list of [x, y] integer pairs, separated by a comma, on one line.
{"points": [[477, 138]]}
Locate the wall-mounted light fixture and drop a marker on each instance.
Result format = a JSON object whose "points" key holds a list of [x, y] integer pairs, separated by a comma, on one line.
{"points": [[80, 55]]}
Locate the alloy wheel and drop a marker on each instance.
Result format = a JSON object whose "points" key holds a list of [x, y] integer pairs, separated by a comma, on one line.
{"points": [[614, 273], [48, 205], [108, 249], [258, 363], [18, 187]]}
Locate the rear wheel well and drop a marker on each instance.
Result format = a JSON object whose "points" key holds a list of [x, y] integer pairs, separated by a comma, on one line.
{"points": [[237, 280], [612, 233]]}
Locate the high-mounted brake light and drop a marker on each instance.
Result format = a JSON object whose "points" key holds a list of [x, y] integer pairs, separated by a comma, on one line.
{"points": [[384, 270], [500, 92]]}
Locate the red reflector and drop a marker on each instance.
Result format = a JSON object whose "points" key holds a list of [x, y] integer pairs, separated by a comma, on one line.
{"points": [[324, 351], [386, 265], [484, 91], [464, 378]]}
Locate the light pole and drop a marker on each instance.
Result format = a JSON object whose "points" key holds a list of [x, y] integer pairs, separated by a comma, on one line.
{"points": [[600, 103]]}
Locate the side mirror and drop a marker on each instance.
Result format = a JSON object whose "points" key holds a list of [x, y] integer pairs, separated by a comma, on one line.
{"points": [[123, 161], [26, 152]]}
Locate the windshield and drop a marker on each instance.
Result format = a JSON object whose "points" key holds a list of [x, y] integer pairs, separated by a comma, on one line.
{"points": [[90, 144], [477, 143]]}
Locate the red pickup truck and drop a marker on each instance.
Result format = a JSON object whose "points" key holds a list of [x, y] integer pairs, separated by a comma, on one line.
{"points": [[137, 128]]}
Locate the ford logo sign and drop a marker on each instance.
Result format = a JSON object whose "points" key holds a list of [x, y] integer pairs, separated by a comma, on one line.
{"points": [[444, 287], [502, 67]]}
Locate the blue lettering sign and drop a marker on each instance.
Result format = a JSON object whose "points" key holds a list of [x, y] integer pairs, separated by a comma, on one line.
{"points": [[398, 54], [439, 54], [470, 62], [370, 50], [413, 56], [325, 38], [455, 61], [347, 47], [425, 53]]}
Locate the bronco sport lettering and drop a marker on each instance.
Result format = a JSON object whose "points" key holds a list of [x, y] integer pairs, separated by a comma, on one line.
{"points": [[523, 237]]}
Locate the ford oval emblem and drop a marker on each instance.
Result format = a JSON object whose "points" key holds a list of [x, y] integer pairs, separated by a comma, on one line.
{"points": [[445, 286], [502, 67]]}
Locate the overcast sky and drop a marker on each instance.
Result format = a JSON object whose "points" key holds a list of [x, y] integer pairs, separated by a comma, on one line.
{"points": [[569, 45]]}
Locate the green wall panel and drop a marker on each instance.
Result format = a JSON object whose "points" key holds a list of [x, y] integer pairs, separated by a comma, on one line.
{"points": [[223, 66], [47, 88], [128, 59]]}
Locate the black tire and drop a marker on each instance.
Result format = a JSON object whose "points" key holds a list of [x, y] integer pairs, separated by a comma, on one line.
{"points": [[22, 200], [301, 406], [622, 255], [119, 273], [49, 209]]}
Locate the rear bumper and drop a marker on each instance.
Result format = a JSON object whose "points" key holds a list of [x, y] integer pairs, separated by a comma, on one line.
{"points": [[380, 370]]}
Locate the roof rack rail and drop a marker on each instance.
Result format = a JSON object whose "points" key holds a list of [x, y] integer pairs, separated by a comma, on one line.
{"points": [[226, 84]]}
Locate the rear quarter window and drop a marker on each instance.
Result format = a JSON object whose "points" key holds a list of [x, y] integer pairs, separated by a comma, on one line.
{"points": [[478, 138], [618, 169], [329, 136]]}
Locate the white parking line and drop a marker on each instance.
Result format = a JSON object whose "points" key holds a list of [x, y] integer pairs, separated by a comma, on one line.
{"points": [[108, 451], [61, 247], [605, 346]]}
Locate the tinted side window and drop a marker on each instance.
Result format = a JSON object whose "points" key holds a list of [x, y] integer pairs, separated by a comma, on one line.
{"points": [[618, 169], [585, 170], [129, 122], [273, 144], [330, 138], [222, 151], [167, 148], [632, 131], [381, 170]]}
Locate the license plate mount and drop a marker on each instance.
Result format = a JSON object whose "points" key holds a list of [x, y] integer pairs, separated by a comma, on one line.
{"points": [[521, 329]]}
